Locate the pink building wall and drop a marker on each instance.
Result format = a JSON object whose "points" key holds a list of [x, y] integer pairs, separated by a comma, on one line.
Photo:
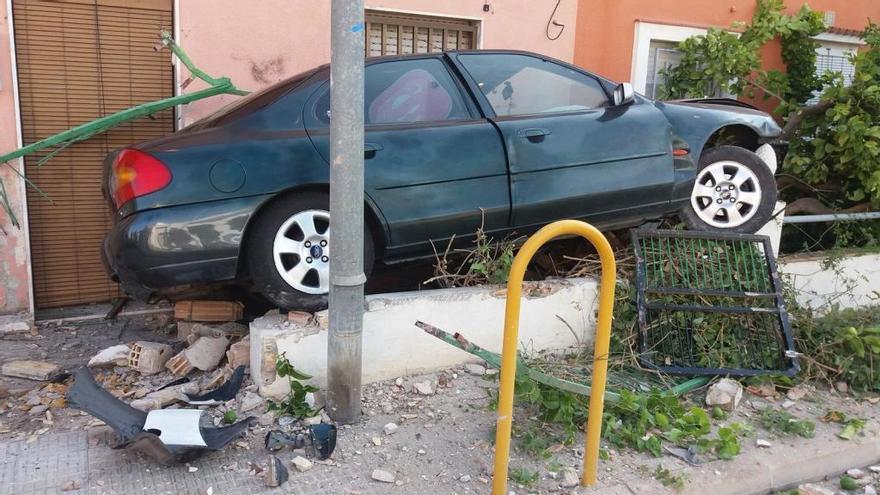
{"points": [[14, 252], [256, 47]]}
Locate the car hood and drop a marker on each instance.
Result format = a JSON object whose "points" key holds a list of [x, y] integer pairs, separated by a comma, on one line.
{"points": [[721, 105]]}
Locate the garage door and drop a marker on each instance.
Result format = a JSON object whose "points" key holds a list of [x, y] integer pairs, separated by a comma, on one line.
{"points": [[79, 60], [396, 34]]}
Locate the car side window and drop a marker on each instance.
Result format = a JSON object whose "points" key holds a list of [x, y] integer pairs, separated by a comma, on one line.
{"points": [[522, 85], [405, 91]]}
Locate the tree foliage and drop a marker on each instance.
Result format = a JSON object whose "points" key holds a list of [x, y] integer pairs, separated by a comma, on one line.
{"points": [[721, 60], [836, 145]]}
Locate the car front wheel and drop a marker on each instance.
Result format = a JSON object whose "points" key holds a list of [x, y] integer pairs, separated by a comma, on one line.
{"points": [[289, 252], [734, 191]]}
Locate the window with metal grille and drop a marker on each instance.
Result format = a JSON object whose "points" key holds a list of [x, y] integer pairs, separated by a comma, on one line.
{"points": [[397, 33], [834, 58], [661, 55]]}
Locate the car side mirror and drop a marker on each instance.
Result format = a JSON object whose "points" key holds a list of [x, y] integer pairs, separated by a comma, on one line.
{"points": [[623, 94]]}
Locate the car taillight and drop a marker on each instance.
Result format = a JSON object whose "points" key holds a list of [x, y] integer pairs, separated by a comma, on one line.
{"points": [[135, 174]]}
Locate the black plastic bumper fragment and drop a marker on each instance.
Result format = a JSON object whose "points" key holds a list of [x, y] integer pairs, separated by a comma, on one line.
{"points": [[128, 424]]}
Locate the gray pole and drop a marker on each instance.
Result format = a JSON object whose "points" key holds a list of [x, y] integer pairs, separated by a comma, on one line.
{"points": [[346, 210]]}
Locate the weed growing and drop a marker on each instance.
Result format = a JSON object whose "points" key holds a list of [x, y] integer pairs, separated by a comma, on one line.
{"points": [[784, 423], [295, 403]]}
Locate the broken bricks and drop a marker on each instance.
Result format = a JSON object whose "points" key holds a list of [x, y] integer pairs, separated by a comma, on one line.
{"points": [[148, 357], [190, 332], [208, 310], [205, 354]]}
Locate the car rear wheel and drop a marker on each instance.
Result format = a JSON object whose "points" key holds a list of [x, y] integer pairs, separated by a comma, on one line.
{"points": [[734, 192], [289, 252]]}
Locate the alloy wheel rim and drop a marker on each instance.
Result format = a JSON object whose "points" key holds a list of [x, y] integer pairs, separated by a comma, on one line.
{"points": [[726, 194], [301, 251]]}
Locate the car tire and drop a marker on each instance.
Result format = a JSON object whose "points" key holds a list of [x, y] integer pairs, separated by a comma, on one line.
{"points": [[288, 252], [734, 191]]}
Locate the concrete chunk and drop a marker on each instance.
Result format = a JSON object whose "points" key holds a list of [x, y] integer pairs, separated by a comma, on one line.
{"points": [[725, 393], [116, 355], [32, 370]]}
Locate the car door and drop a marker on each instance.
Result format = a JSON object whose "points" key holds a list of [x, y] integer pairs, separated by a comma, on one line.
{"points": [[433, 166], [572, 154]]}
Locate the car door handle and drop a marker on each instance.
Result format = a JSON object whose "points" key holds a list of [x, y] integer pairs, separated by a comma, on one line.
{"points": [[370, 150], [533, 134]]}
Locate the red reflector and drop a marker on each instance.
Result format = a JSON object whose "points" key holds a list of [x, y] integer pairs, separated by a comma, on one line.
{"points": [[136, 174], [680, 152]]}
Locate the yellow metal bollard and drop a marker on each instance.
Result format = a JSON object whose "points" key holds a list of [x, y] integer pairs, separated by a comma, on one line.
{"points": [[509, 349]]}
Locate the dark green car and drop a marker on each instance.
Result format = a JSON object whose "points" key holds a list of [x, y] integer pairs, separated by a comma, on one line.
{"points": [[506, 140]]}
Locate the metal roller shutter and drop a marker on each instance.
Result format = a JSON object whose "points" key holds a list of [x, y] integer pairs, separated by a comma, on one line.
{"points": [[397, 34], [77, 61]]}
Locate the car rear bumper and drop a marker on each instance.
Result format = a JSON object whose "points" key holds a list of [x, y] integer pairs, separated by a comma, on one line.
{"points": [[181, 245]]}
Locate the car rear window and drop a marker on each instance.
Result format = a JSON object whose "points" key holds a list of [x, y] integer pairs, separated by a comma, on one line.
{"points": [[251, 103]]}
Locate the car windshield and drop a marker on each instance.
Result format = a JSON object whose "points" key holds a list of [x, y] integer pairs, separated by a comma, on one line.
{"points": [[251, 103]]}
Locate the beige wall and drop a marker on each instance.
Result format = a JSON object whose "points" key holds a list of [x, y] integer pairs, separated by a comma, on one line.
{"points": [[259, 46], [14, 264]]}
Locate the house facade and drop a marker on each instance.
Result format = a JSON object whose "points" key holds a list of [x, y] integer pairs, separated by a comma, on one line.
{"points": [[64, 62]]}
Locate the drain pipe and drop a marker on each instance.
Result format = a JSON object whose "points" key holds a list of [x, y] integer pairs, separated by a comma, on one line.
{"points": [[832, 217], [346, 303]]}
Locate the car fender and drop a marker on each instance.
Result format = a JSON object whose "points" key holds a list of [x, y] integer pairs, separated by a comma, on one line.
{"points": [[696, 122]]}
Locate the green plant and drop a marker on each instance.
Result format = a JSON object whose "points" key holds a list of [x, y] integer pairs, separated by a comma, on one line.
{"points": [[664, 476], [230, 416], [848, 483], [488, 262], [850, 426], [843, 345], [784, 423], [295, 403], [523, 476]]}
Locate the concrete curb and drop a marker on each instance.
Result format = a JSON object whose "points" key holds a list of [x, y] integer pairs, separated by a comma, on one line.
{"points": [[768, 472]]}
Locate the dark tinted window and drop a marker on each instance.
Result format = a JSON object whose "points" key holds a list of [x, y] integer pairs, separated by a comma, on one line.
{"points": [[404, 91], [520, 84], [251, 103]]}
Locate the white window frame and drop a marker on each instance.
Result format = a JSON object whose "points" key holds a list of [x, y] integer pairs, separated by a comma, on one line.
{"points": [[645, 32]]}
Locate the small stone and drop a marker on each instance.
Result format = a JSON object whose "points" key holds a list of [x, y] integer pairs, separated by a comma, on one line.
{"points": [[249, 402], [725, 393], [788, 404], [856, 473], [302, 464], [475, 369], [841, 387], [286, 420], [797, 392], [387, 408], [869, 490], [383, 476], [377, 441], [874, 469], [267, 419], [37, 410], [314, 420], [465, 478], [398, 381], [763, 443], [569, 478], [192, 469], [421, 452], [70, 486], [811, 489], [390, 428], [424, 388]]}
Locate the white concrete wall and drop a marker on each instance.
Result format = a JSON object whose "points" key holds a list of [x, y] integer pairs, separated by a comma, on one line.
{"points": [[820, 282], [393, 346]]}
